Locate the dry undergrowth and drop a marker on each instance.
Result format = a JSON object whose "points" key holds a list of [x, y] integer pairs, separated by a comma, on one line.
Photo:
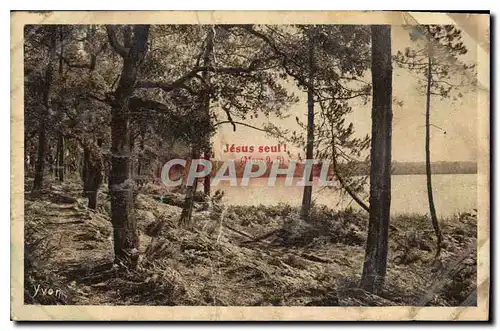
{"points": [[237, 256]]}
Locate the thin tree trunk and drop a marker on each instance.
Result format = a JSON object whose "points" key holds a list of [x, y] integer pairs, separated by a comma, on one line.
{"points": [[60, 157], [131, 144], [207, 179], [93, 174], [307, 196], [428, 171], [40, 159], [187, 209], [374, 267], [53, 161], [207, 150], [42, 134]]}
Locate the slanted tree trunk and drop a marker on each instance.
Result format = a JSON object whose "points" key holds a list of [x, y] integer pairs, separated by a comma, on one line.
{"points": [[339, 177], [126, 239], [374, 267], [428, 171], [42, 134], [307, 196]]}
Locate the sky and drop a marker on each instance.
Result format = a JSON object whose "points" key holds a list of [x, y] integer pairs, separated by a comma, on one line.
{"points": [[457, 118]]}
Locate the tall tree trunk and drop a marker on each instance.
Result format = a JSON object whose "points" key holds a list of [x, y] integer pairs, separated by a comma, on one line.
{"points": [[307, 196], [42, 134], [60, 157], [200, 143], [126, 239], [187, 209], [40, 158], [374, 267], [207, 148], [428, 171]]}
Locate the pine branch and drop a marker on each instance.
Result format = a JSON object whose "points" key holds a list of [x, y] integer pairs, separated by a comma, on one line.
{"points": [[241, 123]]}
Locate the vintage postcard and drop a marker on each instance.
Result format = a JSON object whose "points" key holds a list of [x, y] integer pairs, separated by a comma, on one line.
{"points": [[252, 166]]}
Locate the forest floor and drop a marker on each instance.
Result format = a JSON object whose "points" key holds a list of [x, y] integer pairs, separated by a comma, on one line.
{"points": [[220, 259]]}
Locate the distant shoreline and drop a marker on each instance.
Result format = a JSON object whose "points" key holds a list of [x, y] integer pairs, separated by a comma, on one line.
{"points": [[398, 168], [418, 168]]}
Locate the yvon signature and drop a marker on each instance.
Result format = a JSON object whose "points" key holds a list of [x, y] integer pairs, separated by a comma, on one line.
{"points": [[47, 292]]}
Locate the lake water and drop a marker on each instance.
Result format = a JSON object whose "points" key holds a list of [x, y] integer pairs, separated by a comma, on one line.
{"points": [[453, 193]]}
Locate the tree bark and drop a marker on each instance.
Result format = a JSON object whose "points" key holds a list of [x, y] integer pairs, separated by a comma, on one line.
{"points": [[126, 239], [307, 196], [374, 267], [428, 171], [42, 134]]}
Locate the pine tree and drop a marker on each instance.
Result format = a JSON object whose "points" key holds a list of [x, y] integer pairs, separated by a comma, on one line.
{"points": [[435, 59]]}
